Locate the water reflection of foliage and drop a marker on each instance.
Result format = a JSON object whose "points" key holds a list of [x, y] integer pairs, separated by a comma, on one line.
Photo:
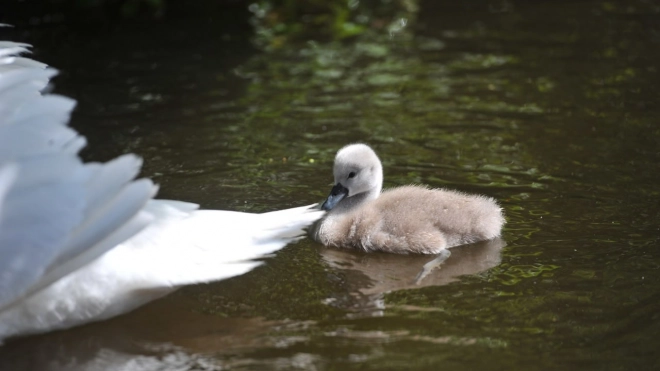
{"points": [[376, 79], [280, 22]]}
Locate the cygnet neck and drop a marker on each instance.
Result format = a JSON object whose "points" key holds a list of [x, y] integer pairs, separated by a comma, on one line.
{"points": [[352, 202]]}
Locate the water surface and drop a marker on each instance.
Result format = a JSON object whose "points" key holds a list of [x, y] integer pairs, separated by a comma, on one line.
{"points": [[550, 107]]}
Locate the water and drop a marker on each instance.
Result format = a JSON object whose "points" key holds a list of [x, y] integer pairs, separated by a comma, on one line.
{"points": [[550, 107]]}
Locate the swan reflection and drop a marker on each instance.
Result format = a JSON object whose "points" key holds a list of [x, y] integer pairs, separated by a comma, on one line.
{"points": [[368, 276]]}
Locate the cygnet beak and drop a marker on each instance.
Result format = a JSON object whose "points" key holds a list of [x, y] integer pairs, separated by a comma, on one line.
{"points": [[337, 194]]}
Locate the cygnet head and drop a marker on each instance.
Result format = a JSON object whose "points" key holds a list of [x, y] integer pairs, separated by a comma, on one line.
{"points": [[358, 177]]}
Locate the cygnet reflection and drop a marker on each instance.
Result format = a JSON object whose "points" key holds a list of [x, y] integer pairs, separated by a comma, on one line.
{"points": [[368, 276]]}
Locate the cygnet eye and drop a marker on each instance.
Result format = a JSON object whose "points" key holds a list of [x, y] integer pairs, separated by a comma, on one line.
{"points": [[351, 175]]}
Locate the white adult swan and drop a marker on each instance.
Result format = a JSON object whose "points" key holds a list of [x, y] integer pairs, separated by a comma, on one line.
{"points": [[85, 242]]}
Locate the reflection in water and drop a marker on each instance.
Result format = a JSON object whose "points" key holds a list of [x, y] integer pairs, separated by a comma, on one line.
{"points": [[165, 335], [368, 276]]}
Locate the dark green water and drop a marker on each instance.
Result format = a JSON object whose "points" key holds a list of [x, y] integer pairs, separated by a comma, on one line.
{"points": [[550, 107]]}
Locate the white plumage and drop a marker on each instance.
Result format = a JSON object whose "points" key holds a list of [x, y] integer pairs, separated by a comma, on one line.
{"points": [[81, 242]]}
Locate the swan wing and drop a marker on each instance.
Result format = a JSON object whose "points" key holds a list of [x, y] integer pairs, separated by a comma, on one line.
{"points": [[56, 212]]}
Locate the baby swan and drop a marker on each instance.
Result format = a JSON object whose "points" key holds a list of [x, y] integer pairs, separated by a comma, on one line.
{"points": [[409, 219]]}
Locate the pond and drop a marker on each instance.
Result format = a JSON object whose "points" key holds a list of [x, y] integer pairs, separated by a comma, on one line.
{"points": [[552, 108]]}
